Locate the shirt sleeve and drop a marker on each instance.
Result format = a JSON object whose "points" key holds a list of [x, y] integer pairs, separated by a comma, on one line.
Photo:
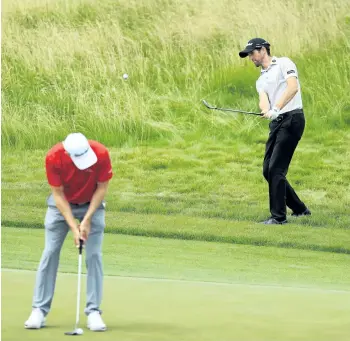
{"points": [[288, 68], [105, 169], [52, 172]]}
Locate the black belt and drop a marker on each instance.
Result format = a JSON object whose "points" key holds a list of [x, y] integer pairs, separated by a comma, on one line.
{"points": [[281, 117], [83, 204]]}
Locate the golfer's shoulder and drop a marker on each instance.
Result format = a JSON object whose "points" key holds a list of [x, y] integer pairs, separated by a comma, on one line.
{"points": [[285, 61], [54, 152]]}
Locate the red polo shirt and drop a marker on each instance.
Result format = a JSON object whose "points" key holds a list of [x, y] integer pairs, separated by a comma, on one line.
{"points": [[79, 185]]}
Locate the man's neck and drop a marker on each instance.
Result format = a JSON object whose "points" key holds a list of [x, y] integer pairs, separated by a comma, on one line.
{"points": [[266, 62]]}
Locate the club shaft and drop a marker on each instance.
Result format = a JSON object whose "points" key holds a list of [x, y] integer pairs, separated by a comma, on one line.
{"points": [[228, 109], [78, 290], [240, 111]]}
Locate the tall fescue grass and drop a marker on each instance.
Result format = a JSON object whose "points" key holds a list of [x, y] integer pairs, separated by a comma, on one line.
{"points": [[63, 61]]}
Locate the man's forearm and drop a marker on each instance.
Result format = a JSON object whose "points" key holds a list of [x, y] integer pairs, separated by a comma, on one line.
{"points": [[63, 205], [288, 94], [264, 103], [96, 201]]}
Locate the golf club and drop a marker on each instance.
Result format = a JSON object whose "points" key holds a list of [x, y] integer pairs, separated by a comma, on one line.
{"points": [[78, 331], [227, 109]]}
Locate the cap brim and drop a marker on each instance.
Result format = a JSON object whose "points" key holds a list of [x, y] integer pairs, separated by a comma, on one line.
{"points": [[245, 52], [86, 160]]}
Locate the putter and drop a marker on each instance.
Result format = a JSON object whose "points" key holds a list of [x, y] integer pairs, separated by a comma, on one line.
{"points": [[78, 331], [227, 109]]}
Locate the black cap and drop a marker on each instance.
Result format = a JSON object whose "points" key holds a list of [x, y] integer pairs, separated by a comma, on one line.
{"points": [[253, 44]]}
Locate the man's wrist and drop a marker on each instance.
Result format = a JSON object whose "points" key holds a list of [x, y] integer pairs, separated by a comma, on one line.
{"points": [[76, 230], [87, 218], [74, 227]]}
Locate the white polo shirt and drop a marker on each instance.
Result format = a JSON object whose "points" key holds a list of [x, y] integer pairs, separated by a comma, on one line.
{"points": [[273, 81]]}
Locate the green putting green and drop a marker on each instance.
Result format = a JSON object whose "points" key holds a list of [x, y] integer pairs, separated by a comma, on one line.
{"points": [[269, 294], [144, 309]]}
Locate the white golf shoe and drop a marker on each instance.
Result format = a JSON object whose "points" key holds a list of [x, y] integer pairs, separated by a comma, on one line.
{"points": [[95, 322], [36, 319]]}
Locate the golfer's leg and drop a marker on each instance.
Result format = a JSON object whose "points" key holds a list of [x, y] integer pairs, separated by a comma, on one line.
{"points": [[293, 201], [94, 262], [268, 150], [56, 230], [266, 166], [281, 157], [269, 147], [267, 157]]}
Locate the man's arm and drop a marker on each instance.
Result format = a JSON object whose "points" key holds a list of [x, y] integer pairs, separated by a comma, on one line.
{"points": [[63, 205], [95, 202], [264, 103], [290, 74], [289, 93]]}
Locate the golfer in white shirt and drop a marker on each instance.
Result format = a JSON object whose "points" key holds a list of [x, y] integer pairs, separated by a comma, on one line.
{"points": [[280, 101]]}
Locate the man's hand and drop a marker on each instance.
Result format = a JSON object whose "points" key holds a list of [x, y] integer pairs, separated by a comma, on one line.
{"points": [[271, 114], [85, 228], [264, 112], [76, 236]]}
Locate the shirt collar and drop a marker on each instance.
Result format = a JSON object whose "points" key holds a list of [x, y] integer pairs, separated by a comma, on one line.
{"points": [[274, 61]]}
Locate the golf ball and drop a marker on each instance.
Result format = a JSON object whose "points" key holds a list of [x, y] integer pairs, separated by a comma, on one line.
{"points": [[125, 76], [79, 331]]}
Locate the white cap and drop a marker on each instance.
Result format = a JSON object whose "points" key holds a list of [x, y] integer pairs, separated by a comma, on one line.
{"points": [[78, 148]]}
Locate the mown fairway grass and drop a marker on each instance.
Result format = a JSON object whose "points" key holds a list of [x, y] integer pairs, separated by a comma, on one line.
{"points": [[203, 180]]}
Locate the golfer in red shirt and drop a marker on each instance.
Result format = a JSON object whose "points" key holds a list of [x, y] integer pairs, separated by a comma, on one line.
{"points": [[78, 171]]}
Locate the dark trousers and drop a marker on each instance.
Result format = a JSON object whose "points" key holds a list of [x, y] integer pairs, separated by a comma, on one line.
{"points": [[285, 133]]}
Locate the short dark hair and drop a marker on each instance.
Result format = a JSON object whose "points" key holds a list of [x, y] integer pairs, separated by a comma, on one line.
{"points": [[267, 49]]}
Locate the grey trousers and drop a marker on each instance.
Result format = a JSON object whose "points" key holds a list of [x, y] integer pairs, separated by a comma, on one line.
{"points": [[56, 230]]}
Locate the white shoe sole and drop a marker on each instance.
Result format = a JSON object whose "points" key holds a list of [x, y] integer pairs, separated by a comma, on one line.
{"points": [[26, 326], [33, 327]]}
